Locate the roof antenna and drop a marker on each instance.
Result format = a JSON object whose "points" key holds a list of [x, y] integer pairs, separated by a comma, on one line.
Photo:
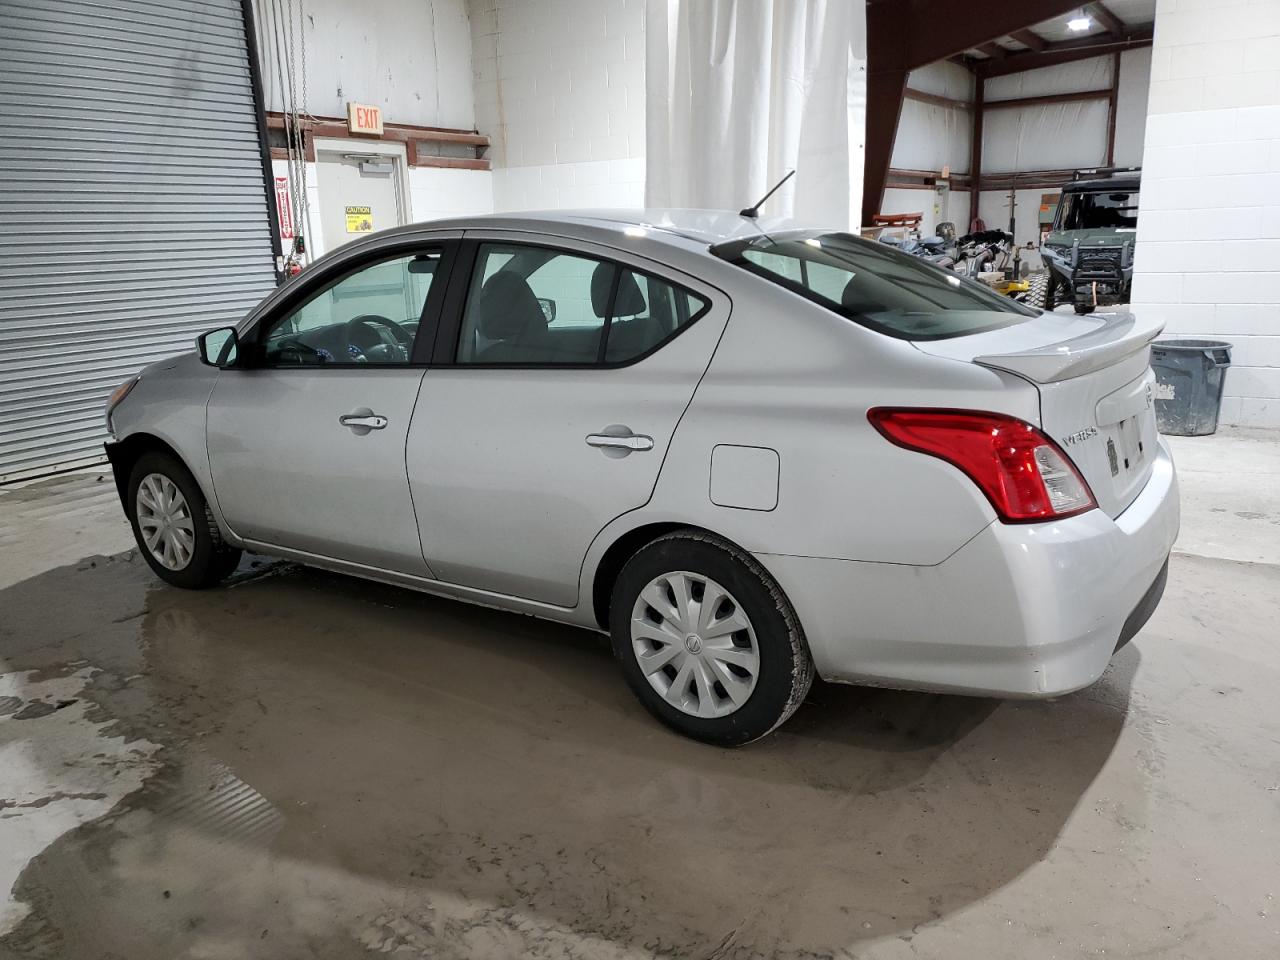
{"points": [[753, 211]]}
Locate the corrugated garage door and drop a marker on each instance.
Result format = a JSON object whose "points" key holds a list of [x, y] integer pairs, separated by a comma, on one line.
{"points": [[133, 213]]}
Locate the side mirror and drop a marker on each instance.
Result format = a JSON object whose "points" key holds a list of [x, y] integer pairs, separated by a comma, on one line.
{"points": [[548, 308], [219, 348]]}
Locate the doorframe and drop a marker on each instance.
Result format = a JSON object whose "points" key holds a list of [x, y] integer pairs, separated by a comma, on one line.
{"points": [[371, 148]]}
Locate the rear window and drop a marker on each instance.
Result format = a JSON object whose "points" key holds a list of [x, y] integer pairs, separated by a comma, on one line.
{"points": [[875, 285]]}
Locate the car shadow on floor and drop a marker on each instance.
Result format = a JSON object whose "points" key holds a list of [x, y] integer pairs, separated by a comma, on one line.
{"points": [[436, 773]]}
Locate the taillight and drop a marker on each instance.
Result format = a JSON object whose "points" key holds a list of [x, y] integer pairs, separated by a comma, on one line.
{"points": [[1023, 473]]}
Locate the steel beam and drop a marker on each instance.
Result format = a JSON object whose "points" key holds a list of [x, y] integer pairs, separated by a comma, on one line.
{"points": [[1066, 52], [939, 101], [903, 35], [1113, 102], [1107, 20], [937, 33], [1029, 38], [1049, 98], [975, 158]]}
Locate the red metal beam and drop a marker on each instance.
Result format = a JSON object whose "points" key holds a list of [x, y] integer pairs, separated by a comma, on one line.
{"points": [[885, 88], [1113, 101], [1065, 52], [935, 36], [975, 158], [1107, 20], [993, 50], [1029, 38], [936, 100], [903, 35], [1049, 98]]}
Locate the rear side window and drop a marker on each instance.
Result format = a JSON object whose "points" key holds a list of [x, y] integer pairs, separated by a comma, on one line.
{"points": [[875, 285], [540, 306]]}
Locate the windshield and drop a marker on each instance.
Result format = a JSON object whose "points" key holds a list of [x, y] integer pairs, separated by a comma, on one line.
{"points": [[875, 285], [1093, 211]]}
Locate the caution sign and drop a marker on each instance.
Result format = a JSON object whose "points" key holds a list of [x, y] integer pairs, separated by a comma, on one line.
{"points": [[359, 220]]}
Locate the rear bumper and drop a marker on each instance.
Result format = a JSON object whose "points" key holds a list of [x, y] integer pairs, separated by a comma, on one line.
{"points": [[1030, 610]]}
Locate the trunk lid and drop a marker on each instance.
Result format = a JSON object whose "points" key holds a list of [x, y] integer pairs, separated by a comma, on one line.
{"points": [[1096, 391]]}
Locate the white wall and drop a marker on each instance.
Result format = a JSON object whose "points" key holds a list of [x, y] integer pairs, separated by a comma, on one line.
{"points": [[954, 207], [436, 193], [931, 136], [1054, 136], [559, 89], [410, 57], [1059, 136], [1208, 254], [1131, 106], [993, 208]]}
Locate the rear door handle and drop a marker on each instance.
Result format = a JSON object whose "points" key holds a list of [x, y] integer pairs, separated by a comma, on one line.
{"points": [[616, 443], [362, 421]]}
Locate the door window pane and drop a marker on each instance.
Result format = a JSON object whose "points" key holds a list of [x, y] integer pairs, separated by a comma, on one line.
{"points": [[370, 316], [534, 305], [646, 311]]}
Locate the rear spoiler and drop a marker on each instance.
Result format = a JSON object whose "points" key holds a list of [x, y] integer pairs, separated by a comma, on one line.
{"points": [[1115, 338]]}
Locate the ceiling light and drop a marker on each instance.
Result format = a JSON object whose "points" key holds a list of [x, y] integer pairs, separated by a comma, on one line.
{"points": [[1079, 23]]}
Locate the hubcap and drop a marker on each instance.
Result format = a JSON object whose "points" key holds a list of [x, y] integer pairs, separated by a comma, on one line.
{"points": [[694, 644], [165, 521]]}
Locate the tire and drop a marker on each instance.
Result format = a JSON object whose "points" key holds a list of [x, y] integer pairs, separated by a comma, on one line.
{"points": [[1084, 308], [197, 556], [1041, 294], [699, 704]]}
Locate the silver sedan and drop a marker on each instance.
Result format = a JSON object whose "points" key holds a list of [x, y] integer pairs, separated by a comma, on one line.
{"points": [[749, 452]]}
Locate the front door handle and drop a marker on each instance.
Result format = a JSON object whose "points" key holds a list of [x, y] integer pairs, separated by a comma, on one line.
{"points": [[362, 421], [619, 441]]}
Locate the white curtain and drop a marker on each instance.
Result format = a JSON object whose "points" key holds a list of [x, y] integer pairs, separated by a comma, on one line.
{"points": [[738, 92]]}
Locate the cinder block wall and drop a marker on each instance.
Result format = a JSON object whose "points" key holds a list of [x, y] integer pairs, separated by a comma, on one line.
{"points": [[1208, 254], [559, 88]]}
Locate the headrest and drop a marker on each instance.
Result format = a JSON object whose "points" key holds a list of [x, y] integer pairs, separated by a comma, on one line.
{"points": [[629, 302], [507, 309]]}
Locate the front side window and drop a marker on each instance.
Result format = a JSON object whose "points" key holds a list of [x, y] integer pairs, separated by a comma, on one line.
{"points": [[875, 285], [539, 306], [369, 316], [1094, 211]]}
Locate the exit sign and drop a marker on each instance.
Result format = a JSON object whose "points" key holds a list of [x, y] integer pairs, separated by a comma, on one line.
{"points": [[362, 118]]}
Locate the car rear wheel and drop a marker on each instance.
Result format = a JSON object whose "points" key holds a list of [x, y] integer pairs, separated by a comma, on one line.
{"points": [[174, 526], [707, 641]]}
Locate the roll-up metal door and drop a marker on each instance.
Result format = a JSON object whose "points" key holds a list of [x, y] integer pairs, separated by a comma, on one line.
{"points": [[133, 208]]}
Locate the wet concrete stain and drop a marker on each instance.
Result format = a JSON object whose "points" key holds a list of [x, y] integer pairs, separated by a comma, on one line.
{"points": [[347, 769]]}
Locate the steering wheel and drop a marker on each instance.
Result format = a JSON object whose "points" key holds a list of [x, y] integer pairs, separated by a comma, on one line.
{"points": [[397, 352]]}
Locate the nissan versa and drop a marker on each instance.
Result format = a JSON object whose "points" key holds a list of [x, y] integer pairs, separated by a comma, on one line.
{"points": [[748, 452]]}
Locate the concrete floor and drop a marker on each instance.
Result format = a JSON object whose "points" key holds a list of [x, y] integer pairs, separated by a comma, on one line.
{"points": [[301, 764]]}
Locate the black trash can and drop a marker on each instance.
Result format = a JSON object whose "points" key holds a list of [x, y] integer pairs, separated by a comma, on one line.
{"points": [[1189, 379]]}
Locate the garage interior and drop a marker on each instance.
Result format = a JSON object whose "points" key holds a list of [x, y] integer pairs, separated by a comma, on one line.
{"points": [[303, 764]]}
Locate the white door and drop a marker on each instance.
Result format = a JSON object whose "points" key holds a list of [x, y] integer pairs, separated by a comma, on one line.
{"points": [[569, 375], [306, 444], [359, 194]]}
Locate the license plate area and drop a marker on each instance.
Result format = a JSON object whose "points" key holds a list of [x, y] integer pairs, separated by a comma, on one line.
{"points": [[1127, 448]]}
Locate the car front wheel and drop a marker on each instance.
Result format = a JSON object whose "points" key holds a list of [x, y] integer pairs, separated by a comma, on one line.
{"points": [[707, 641], [173, 525]]}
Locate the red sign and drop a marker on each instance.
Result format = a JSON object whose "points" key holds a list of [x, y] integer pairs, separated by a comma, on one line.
{"points": [[285, 208]]}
